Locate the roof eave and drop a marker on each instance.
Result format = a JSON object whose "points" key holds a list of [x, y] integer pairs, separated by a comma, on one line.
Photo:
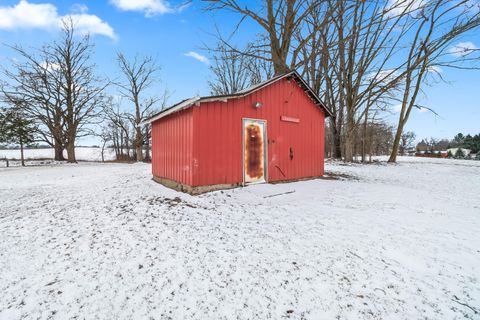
{"points": [[179, 107], [312, 93], [197, 99]]}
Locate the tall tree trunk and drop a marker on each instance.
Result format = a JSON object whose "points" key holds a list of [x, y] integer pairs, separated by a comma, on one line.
{"points": [[58, 136], [71, 152], [354, 149], [58, 151], [147, 151], [337, 141], [139, 144], [122, 146], [21, 153], [364, 137], [103, 151], [349, 138], [370, 146], [396, 142], [348, 156]]}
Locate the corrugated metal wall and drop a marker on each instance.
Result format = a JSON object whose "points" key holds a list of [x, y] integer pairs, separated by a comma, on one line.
{"points": [[172, 145], [217, 139]]}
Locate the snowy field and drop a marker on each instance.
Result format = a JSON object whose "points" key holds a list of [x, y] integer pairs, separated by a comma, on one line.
{"points": [[103, 241], [81, 153]]}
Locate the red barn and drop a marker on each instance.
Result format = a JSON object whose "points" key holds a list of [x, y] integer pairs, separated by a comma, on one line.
{"points": [[271, 132]]}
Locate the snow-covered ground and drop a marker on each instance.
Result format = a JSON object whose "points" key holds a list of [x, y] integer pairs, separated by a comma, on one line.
{"points": [[81, 153], [375, 241]]}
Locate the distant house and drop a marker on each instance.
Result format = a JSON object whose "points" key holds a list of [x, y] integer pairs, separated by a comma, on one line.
{"points": [[411, 152], [422, 147], [431, 154], [271, 132]]}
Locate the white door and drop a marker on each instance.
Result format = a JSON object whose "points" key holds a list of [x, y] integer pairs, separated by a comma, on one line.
{"points": [[254, 151]]}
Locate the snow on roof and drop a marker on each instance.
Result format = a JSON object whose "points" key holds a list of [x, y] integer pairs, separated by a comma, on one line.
{"points": [[187, 103]]}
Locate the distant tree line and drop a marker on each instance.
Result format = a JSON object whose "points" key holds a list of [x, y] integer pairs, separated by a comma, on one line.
{"points": [[373, 139], [467, 142], [460, 140]]}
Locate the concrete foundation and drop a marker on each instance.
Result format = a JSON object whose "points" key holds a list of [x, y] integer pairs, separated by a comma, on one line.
{"points": [[203, 189], [192, 190]]}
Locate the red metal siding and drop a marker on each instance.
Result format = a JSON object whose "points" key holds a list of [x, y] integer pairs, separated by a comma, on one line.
{"points": [[217, 139], [172, 143]]}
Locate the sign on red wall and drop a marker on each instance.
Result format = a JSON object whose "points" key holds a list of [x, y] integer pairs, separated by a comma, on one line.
{"points": [[289, 119]]}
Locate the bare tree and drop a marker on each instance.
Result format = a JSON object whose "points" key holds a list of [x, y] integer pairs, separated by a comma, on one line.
{"points": [[230, 71], [437, 25], [140, 75], [58, 89], [81, 91], [368, 38], [280, 21], [314, 61], [260, 70], [233, 70], [121, 130], [106, 137], [342, 49], [406, 141]]}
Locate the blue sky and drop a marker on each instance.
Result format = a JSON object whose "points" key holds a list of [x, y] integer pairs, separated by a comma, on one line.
{"points": [[176, 38]]}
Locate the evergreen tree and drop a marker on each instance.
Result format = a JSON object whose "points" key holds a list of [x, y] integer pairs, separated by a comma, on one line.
{"points": [[3, 126], [458, 140], [475, 146], [17, 129], [468, 142], [459, 154]]}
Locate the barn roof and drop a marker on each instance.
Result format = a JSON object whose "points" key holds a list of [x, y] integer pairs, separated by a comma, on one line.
{"points": [[187, 103]]}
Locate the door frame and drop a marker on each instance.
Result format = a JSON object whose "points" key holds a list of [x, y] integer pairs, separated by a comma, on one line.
{"points": [[265, 151]]}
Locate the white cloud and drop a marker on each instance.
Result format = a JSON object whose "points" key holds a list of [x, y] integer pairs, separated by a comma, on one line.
{"points": [[397, 108], [386, 75], [148, 7], [92, 24], [462, 49], [79, 8], [28, 15], [381, 77], [25, 15], [398, 7], [197, 56], [50, 66]]}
